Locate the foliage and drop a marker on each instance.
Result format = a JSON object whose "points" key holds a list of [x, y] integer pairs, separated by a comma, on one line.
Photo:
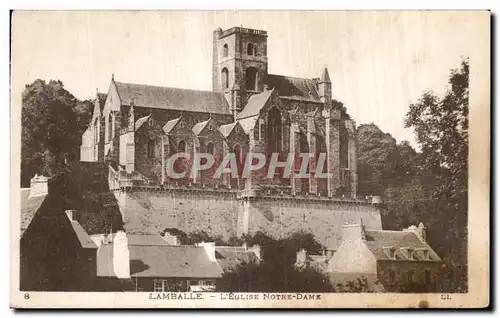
{"points": [[52, 124], [359, 285], [276, 272], [428, 186]]}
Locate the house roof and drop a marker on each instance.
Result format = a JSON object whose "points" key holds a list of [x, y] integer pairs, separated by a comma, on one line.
{"points": [[29, 207], [229, 257], [167, 128], [81, 234], [226, 129], [172, 98], [146, 239], [377, 240], [141, 121], [198, 128], [255, 104], [287, 86], [172, 261]]}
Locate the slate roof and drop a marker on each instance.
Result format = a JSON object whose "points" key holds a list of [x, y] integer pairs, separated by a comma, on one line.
{"points": [[302, 88], [172, 261], [229, 257], [376, 240], [226, 129], [198, 128], [29, 207], [170, 125], [255, 104], [141, 121], [172, 98], [81, 234]]}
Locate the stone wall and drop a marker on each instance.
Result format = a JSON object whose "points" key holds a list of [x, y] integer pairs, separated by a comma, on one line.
{"points": [[321, 216], [151, 211]]}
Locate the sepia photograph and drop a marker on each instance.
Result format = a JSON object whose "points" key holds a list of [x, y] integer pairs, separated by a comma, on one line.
{"points": [[250, 159]]}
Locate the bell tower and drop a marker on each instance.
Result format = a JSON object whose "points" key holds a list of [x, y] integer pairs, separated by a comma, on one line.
{"points": [[239, 64]]}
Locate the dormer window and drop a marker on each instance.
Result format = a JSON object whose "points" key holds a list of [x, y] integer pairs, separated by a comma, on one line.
{"points": [[390, 252]]}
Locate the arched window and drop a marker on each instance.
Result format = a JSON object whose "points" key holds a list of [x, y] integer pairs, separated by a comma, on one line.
{"points": [[274, 131], [322, 183], [110, 127], [250, 49], [181, 147], [151, 149], [344, 146], [251, 79], [210, 148], [225, 50], [225, 78], [96, 131]]}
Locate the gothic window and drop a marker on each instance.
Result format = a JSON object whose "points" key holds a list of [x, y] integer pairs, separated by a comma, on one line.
{"points": [[151, 149], [251, 79], [250, 49], [110, 127], [96, 132], [321, 149], [225, 78], [210, 148], [225, 50], [182, 146], [344, 147], [274, 131]]}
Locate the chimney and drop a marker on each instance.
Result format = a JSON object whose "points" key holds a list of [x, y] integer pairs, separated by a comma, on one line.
{"points": [[209, 249], [72, 215], [352, 232], [39, 186], [121, 255], [256, 250], [301, 256], [171, 239], [420, 231]]}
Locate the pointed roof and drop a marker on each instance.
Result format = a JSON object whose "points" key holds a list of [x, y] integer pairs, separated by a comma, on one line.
{"points": [[167, 128], [198, 128], [293, 87], [325, 77], [227, 129], [141, 121], [255, 104]]}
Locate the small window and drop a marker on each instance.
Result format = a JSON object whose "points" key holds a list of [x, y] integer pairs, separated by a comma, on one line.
{"points": [[225, 50], [151, 148], [409, 276], [225, 78], [160, 285], [250, 49], [182, 146], [210, 148]]}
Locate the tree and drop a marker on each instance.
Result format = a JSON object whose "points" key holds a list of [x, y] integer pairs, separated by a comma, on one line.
{"points": [[441, 128], [52, 124], [277, 272]]}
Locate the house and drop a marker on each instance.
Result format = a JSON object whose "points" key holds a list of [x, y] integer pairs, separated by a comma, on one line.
{"points": [[230, 257], [56, 254], [391, 261], [151, 263]]}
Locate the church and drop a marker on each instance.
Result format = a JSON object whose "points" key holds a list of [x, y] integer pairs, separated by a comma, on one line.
{"points": [[136, 128]]}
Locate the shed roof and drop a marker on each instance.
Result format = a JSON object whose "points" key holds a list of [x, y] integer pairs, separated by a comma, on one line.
{"points": [[172, 261]]}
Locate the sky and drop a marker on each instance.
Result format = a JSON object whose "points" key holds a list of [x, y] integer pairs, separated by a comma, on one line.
{"points": [[379, 62]]}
